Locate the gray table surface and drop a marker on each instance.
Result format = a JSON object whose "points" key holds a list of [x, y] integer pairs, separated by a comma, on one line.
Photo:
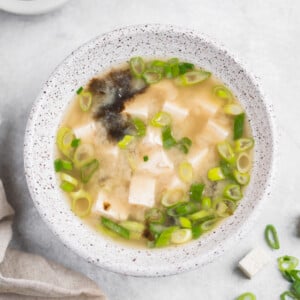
{"points": [[264, 34]]}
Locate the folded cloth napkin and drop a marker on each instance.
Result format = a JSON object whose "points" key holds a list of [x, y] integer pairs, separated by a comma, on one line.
{"points": [[26, 276]]}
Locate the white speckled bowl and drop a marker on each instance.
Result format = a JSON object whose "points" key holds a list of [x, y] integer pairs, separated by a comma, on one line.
{"points": [[90, 59]]}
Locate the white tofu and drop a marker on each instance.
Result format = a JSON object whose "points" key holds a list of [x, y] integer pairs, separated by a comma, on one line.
{"points": [[158, 162], [197, 156], [111, 208], [113, 151], [213, 132], [176, 183], [176, 111], [153, 136], [85, 131], [207, 106], [253, 262], [142, 190], [138, 109]]}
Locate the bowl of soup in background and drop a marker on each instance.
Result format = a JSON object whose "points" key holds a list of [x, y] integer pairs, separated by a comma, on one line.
{"points": [[45, 118]]}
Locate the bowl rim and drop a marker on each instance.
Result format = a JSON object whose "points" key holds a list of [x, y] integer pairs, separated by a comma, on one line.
{"points": [[249, 221]]}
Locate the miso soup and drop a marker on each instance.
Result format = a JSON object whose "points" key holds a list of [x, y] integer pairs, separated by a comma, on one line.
{"points": [[155, 152]]}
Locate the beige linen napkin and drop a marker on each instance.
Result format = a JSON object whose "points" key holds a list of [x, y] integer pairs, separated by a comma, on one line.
{"points": [[26, 276]]}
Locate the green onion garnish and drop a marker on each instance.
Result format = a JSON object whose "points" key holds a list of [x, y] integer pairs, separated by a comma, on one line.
{"points": [[206, 203], [165, 237], [64, 139], [161, 119], [85, 101], [226, 151], [272, 237], [233, 109], [243, 144], [184, 67], [146, 158], [78, 92], [247, 296], [137, 66], [233, 192], [58, 166], [67, 186], [81, 203], [241, 178], [215, 174], [152, 76], [287, 295], [238, 127], [155, 215], [180, 236], [167, 138], [222, 92], [124, 143], [287, 263], [115, 227], [186, 172], [87, 170], [296, 288], [184, 145], [196, 191], [193, 77], [75, 143], [140, 127], [196, 231], [185, 222]]}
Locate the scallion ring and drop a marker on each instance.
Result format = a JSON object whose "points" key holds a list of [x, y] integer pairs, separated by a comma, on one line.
{"points": [[247, 296], [64, 140], [233, 192], [171, 197], [226, 151], [84, 153], [186, 172], [81, 203], [272, 237], [193, 77], [161, 119], [137, 66], [287, 263], [243, 162], [180, 236], [85, 101]]}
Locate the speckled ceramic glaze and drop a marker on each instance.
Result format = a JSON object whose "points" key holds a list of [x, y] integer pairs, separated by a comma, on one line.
{"points": [[90, 59]]}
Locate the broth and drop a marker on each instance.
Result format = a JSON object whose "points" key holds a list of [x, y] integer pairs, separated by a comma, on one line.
{"points": [[154, 163]]}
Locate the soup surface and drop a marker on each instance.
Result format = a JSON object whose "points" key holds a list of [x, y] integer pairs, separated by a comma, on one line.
{"points": [[154, 152]]}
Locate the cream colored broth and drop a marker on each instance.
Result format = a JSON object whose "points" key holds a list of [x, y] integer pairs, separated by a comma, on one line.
{"points": [[117, 167]]}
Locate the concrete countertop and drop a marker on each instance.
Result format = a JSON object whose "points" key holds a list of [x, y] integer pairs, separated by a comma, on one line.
{"points": [[263, 34]]}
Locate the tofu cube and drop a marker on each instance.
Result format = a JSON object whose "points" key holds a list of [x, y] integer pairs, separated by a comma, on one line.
{"points": [[138, 109], [175, 110], [197, 156], [110, 207], [85, 131], [142, 190], [207, 106], [176, 183], [158, 162], [253, 262], [153, 136], [166, 90], [214, 132]]}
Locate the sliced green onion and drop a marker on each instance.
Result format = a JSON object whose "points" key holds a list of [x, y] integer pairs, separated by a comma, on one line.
{"points": [[287, 263], [181, 236], [146, 158], [67, 186], [243, 144], [186, 172], [172, 68], [152, 77], [215, 174], [75, 143], [136, 229], [296, 288], [87, 170], [167, 138], [155, 215], [238, 127], [222, 209], [287, 295], [196, 231], [196, 191], [241, 178], [233, 109], [69, 178], [79, 90], [184, 145], [193, 77], [115, 227], [184, 209], [81, 203], [185, 67], [226, 151], [185, 222], [172, 197], [156, 229], [84, 153], [64, 140], [139, 126], [164, 238], [201, 216], [126, 141], [272, 237], [295, 275], [85, 101], [62, 164], [206, 203], [222, 92], [243, 162], [226, 169], [233, 192], [207, 225], [161, 119], [246, 296], [137, 66]]}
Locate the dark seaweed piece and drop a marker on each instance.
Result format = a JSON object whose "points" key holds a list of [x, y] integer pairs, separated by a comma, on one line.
{"points": [[113, 91]]}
